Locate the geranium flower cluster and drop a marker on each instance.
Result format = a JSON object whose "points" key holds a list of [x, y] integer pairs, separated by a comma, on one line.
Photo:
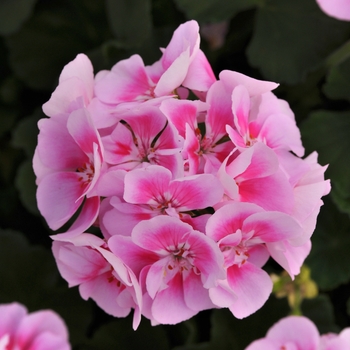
{"points": [[194, 182], [40, 330], [298, 332]]}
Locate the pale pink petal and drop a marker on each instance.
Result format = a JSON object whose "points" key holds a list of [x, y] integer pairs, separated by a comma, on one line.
{"points": [[295, 329], [57, 197], [222, 295], [82, 130], [339, 9], [41, 322], [195, 295], [200, 76], [173, 312], [146, 185], [220, 111], [78, 264], [122, 217], [255, 87], [252, 286], [11, 316], [68, 96], [229, 219], [135, 257], [56, 147], [49, 341], [128, 81], [173, 77], [86, 218], [271, 192], [182, 112], [195, 192], [186, 36], [240, 108], [81, 68], [272, 227], [104, 292], [289, 257], [281, 132]]}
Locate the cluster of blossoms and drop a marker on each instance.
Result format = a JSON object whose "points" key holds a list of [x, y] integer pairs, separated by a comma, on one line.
{"points": [[191, 196], [40, 330], [298, 332]]}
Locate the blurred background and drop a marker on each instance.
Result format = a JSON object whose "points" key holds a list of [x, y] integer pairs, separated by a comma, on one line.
{"points": [[291, 42]]}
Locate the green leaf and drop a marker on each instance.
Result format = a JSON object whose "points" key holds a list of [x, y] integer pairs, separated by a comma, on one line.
{"points": [[328, 133], [292, 38], [25, 184], [320, 311], [130, 20], [29, 275], [338, 82], [8, 116], [329, 259], [119, 334], [13, 13], [49, 40], [214, 10], [25, 135]]}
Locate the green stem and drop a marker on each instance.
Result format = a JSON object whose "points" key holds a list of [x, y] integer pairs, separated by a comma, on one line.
{"points": [[338, 56]]}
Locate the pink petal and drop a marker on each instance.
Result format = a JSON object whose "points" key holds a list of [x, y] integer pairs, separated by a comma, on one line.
{"points": [[289, 257], [195, 192], [104, 293], [272, 227], [83, 131], [339, 9], [255, 87], [11, 316], [252, 286], [173, 312], [57, 197], [147, 185], [229, 219], [200, 76], [195, 295], [40, 322], [186, 36], [241, 108], [295, 329], [78, 264], [175, 74], [281, 132], [220, 111], [128, 81], [86, 218], [56, 147], [135, 257], [182, 112]]}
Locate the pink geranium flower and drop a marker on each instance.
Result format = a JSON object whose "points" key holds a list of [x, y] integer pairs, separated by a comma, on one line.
{"points": [[151, 191], [67, 162], [175, 264], [86, 261], [298, 332], [182, 63], [244, 232], [40, 330], [144, 137], [339, 9]]}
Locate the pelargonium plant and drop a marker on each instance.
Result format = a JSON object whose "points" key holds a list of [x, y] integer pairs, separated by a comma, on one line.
{"points": [[40, 330], [193, 183], [298, 332]]}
